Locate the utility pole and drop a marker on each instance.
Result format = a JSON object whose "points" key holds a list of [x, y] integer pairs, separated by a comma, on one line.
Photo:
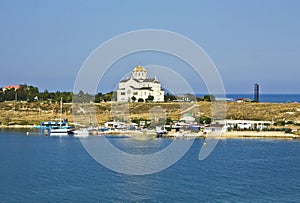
{"points": [[16, 98]]}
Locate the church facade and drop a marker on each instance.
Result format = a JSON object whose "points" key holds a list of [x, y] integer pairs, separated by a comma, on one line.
{"points": [[139, 86]]}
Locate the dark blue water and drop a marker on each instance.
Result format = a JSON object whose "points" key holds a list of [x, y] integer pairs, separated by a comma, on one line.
{"points": [[52, 169], [276, 98]]}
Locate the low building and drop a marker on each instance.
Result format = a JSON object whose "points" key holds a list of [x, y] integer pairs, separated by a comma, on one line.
{"points": [[247, 124], [215, 128], [240, 100], [115, 124], [11, 87]]}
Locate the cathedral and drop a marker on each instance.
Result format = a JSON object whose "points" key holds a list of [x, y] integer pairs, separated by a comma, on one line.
{"points": [[139, 86]]}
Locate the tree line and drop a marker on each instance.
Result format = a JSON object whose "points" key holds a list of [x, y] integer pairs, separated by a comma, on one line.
{"points": [[30, 93]]}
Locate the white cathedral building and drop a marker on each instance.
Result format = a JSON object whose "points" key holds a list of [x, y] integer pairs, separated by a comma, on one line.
{"points": [[139, 86]]}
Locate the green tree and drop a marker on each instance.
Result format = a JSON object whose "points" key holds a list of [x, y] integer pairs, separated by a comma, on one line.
{"points": [[98, 97], [9, 94], [108, 96], [140, 100], [170, 97], [203, 120], [169, 121], [44, 96], [32, 92], [22, 93], [133, 98], [1, 95], [150, 98], [190, 97], [209, 98], [83, 97]]}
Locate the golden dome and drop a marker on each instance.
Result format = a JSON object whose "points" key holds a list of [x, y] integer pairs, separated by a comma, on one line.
{"points": [[139, 68]]}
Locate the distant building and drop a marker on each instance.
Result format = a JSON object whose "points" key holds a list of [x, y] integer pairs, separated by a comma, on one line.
{"points": [[240, 100], [139, 86], [215, 128], [11, 87], [247, 124], [187, 118]]}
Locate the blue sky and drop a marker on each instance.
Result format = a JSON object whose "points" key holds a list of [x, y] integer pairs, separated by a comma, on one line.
{"points": [[44, 43]]}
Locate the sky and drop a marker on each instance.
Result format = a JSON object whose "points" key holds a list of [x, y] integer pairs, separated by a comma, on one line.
{"points": [[45, 43]]}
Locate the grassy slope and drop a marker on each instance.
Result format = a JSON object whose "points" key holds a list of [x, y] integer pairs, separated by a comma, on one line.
{"points": [[33, 113]]}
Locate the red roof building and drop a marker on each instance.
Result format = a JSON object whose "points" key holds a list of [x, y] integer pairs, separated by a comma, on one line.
{"points": [[10, 87]]}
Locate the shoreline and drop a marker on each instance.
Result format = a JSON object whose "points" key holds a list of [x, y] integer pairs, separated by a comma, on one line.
{"points": [[238, 134], [16, 126], [224, 135], [260, 134]]}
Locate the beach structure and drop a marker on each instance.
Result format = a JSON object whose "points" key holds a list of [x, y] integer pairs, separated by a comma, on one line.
{"points": [[223, 125], [246, 124], [139, 86], [215, 128], [241, 100], [115, 124]]}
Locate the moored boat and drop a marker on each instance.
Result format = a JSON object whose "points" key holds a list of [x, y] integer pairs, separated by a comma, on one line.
{"points": [[61, 128], [60, 131], [81, 133]]}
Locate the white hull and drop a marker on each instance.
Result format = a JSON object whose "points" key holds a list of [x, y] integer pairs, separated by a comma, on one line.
{"points": [[81, 133], [59, 132]]}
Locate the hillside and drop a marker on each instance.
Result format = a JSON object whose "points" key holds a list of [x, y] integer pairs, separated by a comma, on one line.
{"points": [[32, 113]]}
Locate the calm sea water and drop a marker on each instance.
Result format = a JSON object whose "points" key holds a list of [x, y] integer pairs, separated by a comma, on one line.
{"points": [[36, 168], [277, 98]]}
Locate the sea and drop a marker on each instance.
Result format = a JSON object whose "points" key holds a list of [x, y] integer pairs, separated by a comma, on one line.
{"points": [[275, 98], [38, 168]]}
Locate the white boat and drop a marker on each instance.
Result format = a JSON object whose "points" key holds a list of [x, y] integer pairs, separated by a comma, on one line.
{"points": [[58, 134], [53, 124], [160, 131], [60, 130], [81, 133]]}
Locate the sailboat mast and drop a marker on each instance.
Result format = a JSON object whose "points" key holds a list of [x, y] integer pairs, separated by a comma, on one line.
{"points": [[60, 111]]}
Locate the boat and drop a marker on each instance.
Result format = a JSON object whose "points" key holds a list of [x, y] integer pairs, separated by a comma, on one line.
{"points": [[81, 133], [160, 131], [53, 124], [60, 130]]}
